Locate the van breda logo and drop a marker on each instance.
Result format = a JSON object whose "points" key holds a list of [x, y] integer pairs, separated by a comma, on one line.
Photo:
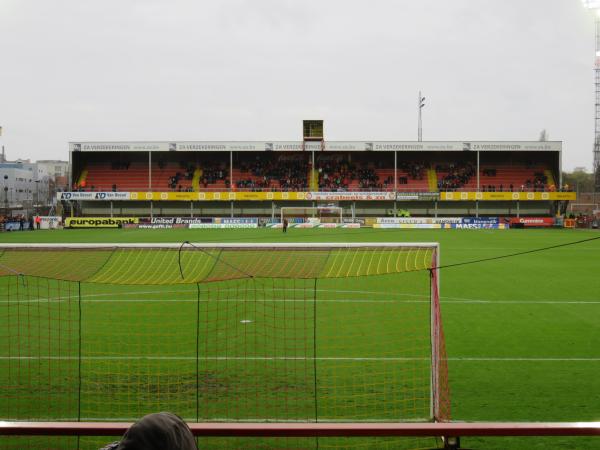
{"points": [[172, 146], [76, 147], [65, 196], [466, 146]]}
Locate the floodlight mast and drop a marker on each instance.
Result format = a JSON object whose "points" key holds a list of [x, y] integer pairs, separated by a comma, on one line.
{"points": [[594, 5]]}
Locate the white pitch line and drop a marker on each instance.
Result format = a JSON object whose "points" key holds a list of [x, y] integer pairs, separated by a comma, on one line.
{"points": [[286, 358], [90, 298], [310, 300]]}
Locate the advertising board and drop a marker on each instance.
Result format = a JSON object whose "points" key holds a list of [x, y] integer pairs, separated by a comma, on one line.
{"points": [[418, 220], [99, 222], [477, 226], [530, 222], [349, 196], [93, 196], [408, 225], [480, 220], [223, 225]]}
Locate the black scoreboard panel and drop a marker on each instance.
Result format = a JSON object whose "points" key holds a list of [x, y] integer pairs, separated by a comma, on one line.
{"points": [[312, 130]]}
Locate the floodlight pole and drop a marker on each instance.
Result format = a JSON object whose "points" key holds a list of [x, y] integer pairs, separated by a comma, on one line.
{"points": [[594, 5], [420, 105], [597, 107]]}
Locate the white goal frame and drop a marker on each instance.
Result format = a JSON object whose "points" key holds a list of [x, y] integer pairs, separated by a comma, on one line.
{"points": [[435, 325]]}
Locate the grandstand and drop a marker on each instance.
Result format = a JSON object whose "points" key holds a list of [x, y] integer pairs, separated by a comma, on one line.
{"points": [[376, 178]]}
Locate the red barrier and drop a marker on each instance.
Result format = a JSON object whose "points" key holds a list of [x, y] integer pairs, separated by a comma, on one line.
{"points": [[316, 429]]}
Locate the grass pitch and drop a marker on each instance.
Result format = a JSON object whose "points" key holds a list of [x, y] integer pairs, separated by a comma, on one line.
{"points": [[522, 333]]}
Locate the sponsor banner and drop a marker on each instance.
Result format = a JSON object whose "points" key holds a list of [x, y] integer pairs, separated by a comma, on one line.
{"points": [[408, 225], [314, 225], [417, 220], [223, 225], [315, 196], [15, 226], [174, 220], [236, 220], [216, 196], [480, 220], [359, 220], [327, 225], [507, 196], [351, 196], [424, 196], [118, 146], [303, 225], [99, 222], [157, 226], [92, 195], [532, 221], [50, 222], [297, 146], [477, 226]]}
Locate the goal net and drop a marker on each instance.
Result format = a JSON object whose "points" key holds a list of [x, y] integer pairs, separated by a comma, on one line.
{"points": [[316, 214], [222, 333]]}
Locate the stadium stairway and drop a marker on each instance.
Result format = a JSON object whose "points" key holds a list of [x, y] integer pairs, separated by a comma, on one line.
{"points": [[196, 179], [550, 177], [82, 177], [313, 177], [432, 179]]}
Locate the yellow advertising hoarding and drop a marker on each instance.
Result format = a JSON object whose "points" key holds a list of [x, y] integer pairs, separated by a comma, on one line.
{"points": [[320, 196], [507, 196], [217, 196]]}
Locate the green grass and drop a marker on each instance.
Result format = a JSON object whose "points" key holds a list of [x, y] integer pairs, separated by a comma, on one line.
{"points": [[522, 333]]}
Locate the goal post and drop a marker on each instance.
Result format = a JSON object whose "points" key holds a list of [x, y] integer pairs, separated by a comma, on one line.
{"points": [[233, 333], [324, 214]]}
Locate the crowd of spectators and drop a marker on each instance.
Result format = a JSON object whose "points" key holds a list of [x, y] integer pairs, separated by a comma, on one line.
{"points": [[457, 175], [212, 172], [290, 174], [186, 173], [335, 175], [368, 179], [414, 169], [25, 223]]}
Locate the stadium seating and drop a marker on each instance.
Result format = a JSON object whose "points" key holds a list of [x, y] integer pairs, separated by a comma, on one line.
{"points": [[288, 172]]}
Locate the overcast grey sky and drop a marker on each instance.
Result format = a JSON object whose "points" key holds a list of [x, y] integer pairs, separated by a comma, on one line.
{"points": [[253, 69]]}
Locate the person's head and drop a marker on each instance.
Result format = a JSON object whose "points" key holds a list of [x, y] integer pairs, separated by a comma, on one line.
{"points": [[160, 431]]}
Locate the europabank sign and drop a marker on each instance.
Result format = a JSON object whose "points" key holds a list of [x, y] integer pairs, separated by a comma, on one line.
{"points": [[350, 196], [330, 146]]}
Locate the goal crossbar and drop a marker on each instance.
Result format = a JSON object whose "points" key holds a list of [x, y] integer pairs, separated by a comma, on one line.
{"points": [[172, 245], [454, 429]]}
